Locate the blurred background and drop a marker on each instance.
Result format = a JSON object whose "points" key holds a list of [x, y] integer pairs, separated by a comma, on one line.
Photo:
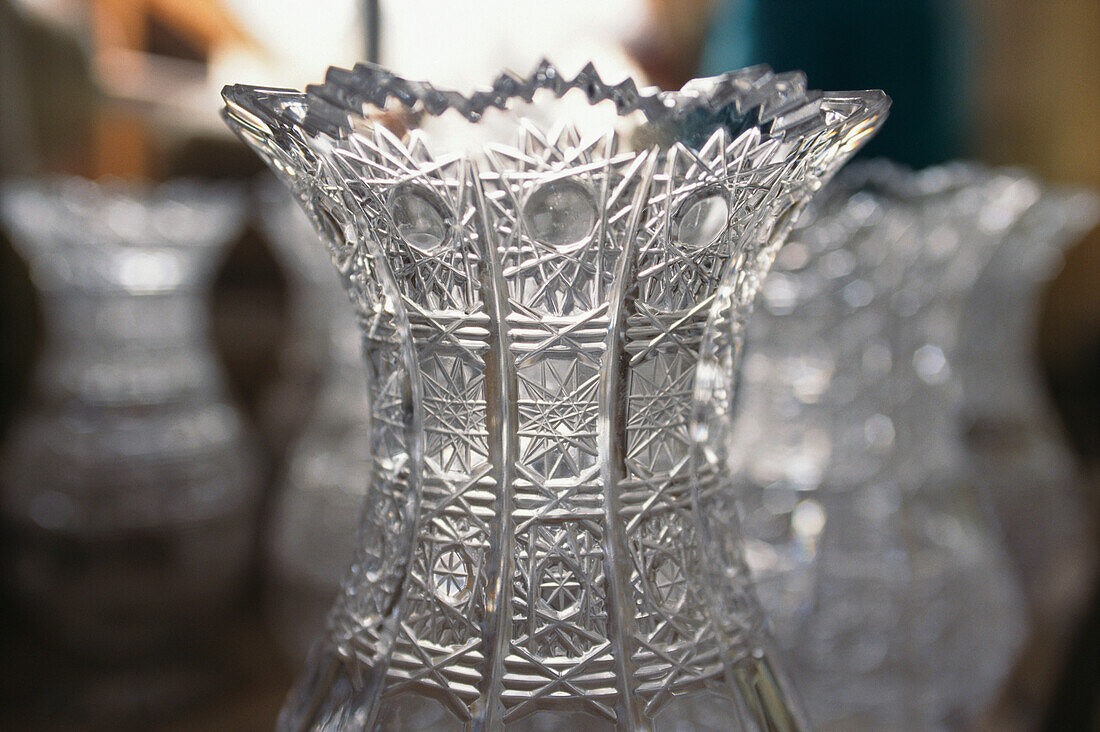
{"points": [[126, 92]]}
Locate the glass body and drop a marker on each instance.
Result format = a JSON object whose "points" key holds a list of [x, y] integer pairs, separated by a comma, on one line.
{"points": [[127, 485], [550, 322], [870, 533]]}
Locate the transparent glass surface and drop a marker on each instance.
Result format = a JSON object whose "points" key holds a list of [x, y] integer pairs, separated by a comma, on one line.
{"points": [[316, 302], [549, 537], [870, 537], [128, 488], [321, 487]]}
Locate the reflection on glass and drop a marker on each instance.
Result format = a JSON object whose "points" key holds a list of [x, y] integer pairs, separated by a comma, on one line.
{"points": [[319, 495]]}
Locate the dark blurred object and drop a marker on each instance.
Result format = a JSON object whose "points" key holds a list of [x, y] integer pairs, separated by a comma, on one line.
{"points": [[250, 309], [1070, 345], [1037, 87], [128, 488], [671, 43], [916, 50], [47, 97], [20, 331], [1069, 340], [242, 692], [1031, 476], [314, 299]]}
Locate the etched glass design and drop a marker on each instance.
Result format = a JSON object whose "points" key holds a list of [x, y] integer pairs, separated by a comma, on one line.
{"points": [[549, 537]]}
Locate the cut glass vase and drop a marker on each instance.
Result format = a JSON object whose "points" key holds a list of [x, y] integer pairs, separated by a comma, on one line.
{"points": [[129, 486], [1012, 432], [551, 321], [864, 510]]}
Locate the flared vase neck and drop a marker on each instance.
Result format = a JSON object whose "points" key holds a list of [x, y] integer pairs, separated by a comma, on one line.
{"points": [[102, 239], [1000, 318], [122, 273]]}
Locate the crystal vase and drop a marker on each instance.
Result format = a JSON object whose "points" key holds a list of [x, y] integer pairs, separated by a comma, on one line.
{"points": [[551, 319], [128, 488], [867, 528], [1012, 432]]}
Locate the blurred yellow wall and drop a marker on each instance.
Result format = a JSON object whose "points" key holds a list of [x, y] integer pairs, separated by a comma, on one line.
{"points": [[1038, 105], [1039, 86]]}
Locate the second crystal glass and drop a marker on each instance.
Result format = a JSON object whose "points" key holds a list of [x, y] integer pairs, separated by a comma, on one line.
{"points": [[129, 484], [551, 324], [875, 546]]}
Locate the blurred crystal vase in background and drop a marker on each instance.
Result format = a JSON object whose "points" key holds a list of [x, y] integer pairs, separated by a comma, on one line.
{"points": [[880, 330], [1010, 426], [550, 322], [128, 488]]}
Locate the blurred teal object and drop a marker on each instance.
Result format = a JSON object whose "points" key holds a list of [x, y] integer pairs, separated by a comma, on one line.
{"points": [[917, 50]]}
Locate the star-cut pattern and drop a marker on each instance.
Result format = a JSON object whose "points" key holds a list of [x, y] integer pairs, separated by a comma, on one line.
{"points": [[436, 268], [469, 274], [456, 437], [559, 620], [557, 435], [558, 300]]}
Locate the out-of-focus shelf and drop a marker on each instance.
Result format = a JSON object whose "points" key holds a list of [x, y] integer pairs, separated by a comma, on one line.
{"points": [[245, 687]]}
